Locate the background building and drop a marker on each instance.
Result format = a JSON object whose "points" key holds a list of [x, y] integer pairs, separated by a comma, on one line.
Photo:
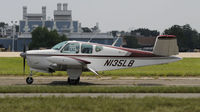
{"points": [[62, 22]]}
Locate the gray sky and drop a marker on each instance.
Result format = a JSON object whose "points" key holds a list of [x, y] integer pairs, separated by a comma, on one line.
{"points": [[114, 14]]}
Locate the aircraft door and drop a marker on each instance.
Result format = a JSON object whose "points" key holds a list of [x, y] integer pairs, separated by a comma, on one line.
{"points": [[86, 49], [71, 48]]}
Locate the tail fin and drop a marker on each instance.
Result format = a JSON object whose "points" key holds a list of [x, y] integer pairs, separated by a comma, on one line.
{"points": [[166, 45]]}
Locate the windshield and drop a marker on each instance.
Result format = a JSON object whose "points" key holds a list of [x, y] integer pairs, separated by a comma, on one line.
{"points": [[59, 45]]}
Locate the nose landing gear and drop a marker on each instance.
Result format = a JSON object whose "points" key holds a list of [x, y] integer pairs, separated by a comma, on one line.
{"points": [[29, 80]]}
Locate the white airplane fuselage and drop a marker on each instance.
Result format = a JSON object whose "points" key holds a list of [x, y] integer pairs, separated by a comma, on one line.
{"points": [[76, 57], [110, 58]]}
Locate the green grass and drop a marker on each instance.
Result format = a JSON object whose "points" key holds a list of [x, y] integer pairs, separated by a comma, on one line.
{"points": [[185, 67], [11, 66], [99, 104], [98, 89]]}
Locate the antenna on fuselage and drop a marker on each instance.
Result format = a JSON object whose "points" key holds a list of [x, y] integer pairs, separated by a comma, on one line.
{"points": [[92, 36], [118, 36]]}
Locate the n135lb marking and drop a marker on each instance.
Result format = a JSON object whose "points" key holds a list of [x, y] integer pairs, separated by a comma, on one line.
{"points": [[119, 63]]}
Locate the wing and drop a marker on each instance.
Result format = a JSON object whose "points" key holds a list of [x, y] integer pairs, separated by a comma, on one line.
{"points": [[71, 62]]}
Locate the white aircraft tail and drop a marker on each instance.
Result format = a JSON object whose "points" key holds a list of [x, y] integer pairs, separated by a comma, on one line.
{"points": [[166, 45]]}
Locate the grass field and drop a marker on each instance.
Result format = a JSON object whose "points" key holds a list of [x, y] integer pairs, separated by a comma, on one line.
{"points": [[98, 89], [185, 67], [99, 104]]}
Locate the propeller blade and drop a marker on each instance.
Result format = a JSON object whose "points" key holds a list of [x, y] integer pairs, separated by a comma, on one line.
{"points": [[24, 64], [24, 50], [24, 59]]}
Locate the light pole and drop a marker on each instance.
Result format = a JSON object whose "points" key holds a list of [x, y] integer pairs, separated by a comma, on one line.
{"points": [[13, 35]]}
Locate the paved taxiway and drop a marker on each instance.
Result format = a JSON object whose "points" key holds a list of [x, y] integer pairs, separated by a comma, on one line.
{"points": [[107, 81], [114, 95]]}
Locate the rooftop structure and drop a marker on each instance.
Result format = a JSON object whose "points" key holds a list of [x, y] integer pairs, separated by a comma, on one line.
{"points": [[62, 14], [62, 21], [34, 16]]}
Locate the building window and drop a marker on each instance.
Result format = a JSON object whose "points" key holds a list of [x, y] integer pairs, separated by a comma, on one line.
{"points": [[86, 49], [72, 48]]}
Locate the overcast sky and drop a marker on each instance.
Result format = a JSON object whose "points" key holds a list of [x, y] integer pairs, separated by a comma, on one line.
{"points": [[114, 14]]}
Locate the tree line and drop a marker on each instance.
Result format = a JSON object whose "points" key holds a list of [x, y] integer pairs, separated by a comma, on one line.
{"points": [[188, 38], [43, 38]]}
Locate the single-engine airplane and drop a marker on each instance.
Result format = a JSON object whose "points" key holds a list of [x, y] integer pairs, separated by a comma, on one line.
{"points": [[76, 57]]}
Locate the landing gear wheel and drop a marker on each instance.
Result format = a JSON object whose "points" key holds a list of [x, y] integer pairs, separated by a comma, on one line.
{"points": [[29, 80], [73, 81]]}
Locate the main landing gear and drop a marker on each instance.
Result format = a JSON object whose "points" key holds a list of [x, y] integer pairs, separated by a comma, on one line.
{"points": [[74, 75], [73, 81], [29, 80]]}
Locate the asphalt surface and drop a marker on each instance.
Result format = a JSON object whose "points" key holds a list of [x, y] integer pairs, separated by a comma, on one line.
{"points": [[93, 95], [107, 81]]}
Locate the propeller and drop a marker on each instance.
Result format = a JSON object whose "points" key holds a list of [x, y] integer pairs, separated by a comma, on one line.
{"points": [[23, 55]]}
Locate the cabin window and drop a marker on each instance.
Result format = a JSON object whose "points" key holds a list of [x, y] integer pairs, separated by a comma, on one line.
{"points": [[98, 48], [71, 48], [86, 49], [59, 45]]}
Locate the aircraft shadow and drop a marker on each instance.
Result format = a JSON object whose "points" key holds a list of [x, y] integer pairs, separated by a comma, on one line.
{"points": [[65, 83], [56, 83], [149, 84]]}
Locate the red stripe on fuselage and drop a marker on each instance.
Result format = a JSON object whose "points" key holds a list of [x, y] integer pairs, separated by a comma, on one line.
{"points": [[86, 62], [136, 53]]}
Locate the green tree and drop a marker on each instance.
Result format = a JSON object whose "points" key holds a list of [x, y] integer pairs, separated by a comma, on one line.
{"points": [[146, 32], [187, 37], [2, 24], [43, 38], [132, 42]]}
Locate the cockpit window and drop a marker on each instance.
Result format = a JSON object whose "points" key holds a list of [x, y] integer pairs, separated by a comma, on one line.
{"points": [[71, 48], [98, 48], [59, 45], [86, 49]]}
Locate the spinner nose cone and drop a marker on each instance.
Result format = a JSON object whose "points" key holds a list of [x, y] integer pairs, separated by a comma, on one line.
{"points": [[23, 55]]}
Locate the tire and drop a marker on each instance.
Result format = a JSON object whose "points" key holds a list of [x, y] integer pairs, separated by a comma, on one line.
{"points": [[73, 81], [29, 80], [78, 80]]}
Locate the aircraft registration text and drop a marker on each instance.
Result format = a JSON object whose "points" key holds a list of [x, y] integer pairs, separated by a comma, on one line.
{"points": [[119, 63]]}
